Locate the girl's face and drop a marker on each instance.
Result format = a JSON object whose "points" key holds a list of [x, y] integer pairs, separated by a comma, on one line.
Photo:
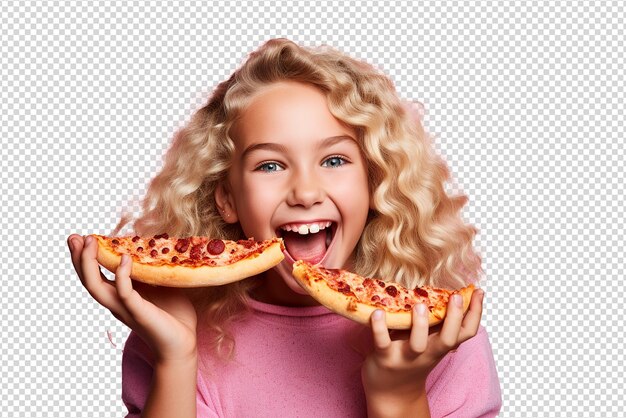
{"points": [[297, 173]]}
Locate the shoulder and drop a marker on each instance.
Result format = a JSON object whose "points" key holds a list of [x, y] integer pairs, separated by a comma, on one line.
{"points": [[466, 381]]}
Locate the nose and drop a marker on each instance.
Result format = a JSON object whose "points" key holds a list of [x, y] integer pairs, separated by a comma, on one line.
{"points": [[305, 190]]}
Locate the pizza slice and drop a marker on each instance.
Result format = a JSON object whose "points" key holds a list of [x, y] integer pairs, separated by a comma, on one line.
{"points": [[191, 261], [357, 297]]}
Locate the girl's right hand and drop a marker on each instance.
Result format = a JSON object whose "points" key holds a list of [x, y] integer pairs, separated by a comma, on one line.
{"points": [[163, 317]]}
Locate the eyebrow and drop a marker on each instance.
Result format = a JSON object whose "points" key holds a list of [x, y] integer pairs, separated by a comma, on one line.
{"points": [[270, 146]]}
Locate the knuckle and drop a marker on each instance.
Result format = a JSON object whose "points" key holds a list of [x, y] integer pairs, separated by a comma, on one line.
{"points": [[418, 348], [467, 334], [125, 297], [385, 364], [382, 346], [381, 342], [448, 343], [472, 332]]}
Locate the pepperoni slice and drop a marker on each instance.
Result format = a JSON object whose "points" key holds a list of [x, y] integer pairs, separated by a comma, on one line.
{"points": [[391, 291], [196, 252], [248, 243], [182, 245], [420, 292], [215, 247], [344, 287]]}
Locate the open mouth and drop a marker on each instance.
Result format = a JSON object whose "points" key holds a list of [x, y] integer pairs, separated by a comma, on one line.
{"points": [[308, 241]]}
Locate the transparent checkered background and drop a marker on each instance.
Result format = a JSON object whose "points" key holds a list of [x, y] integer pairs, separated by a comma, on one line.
{"points": [[527, 103]]}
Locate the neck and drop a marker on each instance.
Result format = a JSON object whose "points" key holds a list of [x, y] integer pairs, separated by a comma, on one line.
{"points": [[273, 290]]}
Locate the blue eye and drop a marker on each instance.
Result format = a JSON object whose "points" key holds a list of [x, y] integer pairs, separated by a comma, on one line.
{"points": [[269, 167], [333, 162]]}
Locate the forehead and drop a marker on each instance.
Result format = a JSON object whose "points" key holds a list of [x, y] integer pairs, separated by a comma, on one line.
{"points": [[287, 111]]}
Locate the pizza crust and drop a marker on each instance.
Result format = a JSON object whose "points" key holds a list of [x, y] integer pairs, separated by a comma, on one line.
{"points": [[184, 276], [349, 307]]}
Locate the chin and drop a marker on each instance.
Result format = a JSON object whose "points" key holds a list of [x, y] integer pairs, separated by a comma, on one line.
{"points": [[284, 271]]}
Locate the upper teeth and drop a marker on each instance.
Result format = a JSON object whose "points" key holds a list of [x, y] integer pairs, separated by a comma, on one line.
{"points": [[304, 229]]}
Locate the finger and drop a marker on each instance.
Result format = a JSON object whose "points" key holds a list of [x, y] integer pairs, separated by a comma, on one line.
{"points": [[471, 322], [452, 323], [132, 300], [382, 341], [141, 310], [419, 330], [123, 283], [75, 243], [93, 279]]}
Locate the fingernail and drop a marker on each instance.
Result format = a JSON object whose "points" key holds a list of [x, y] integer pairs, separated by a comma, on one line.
{"points": [[481, 293], [457, 299], [378, 314], [88, 240], [125, 259], [73, 245], [420, 309]]}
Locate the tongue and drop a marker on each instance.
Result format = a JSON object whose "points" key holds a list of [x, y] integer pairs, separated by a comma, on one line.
{"points": [[311, 247]]}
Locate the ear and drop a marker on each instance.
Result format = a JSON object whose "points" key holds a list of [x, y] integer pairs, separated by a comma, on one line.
{"points": [[225, 203]]}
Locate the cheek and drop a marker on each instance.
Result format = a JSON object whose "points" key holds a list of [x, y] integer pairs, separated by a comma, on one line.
{"points": [[355, 197], [255, 189], [255, 207]]}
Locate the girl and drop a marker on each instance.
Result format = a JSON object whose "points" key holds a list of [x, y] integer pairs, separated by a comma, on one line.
{"points": [[315, 147]]}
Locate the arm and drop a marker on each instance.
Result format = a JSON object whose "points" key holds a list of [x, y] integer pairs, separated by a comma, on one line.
{"points": [[173, 389], [139, 378], [397, 405], [164, 318]]}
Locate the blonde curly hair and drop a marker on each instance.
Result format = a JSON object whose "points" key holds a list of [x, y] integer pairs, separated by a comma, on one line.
{"points": [[414, 235]]}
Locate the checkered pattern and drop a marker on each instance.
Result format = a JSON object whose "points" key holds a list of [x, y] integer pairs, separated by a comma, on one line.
{"points": [[526, 102]]}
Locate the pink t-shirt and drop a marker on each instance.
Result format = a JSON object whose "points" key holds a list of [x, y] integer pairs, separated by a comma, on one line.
{"points": [[306, 362]]}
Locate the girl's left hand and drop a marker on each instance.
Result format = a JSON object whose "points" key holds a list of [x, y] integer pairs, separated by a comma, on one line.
{"points": [[398, 366]]}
